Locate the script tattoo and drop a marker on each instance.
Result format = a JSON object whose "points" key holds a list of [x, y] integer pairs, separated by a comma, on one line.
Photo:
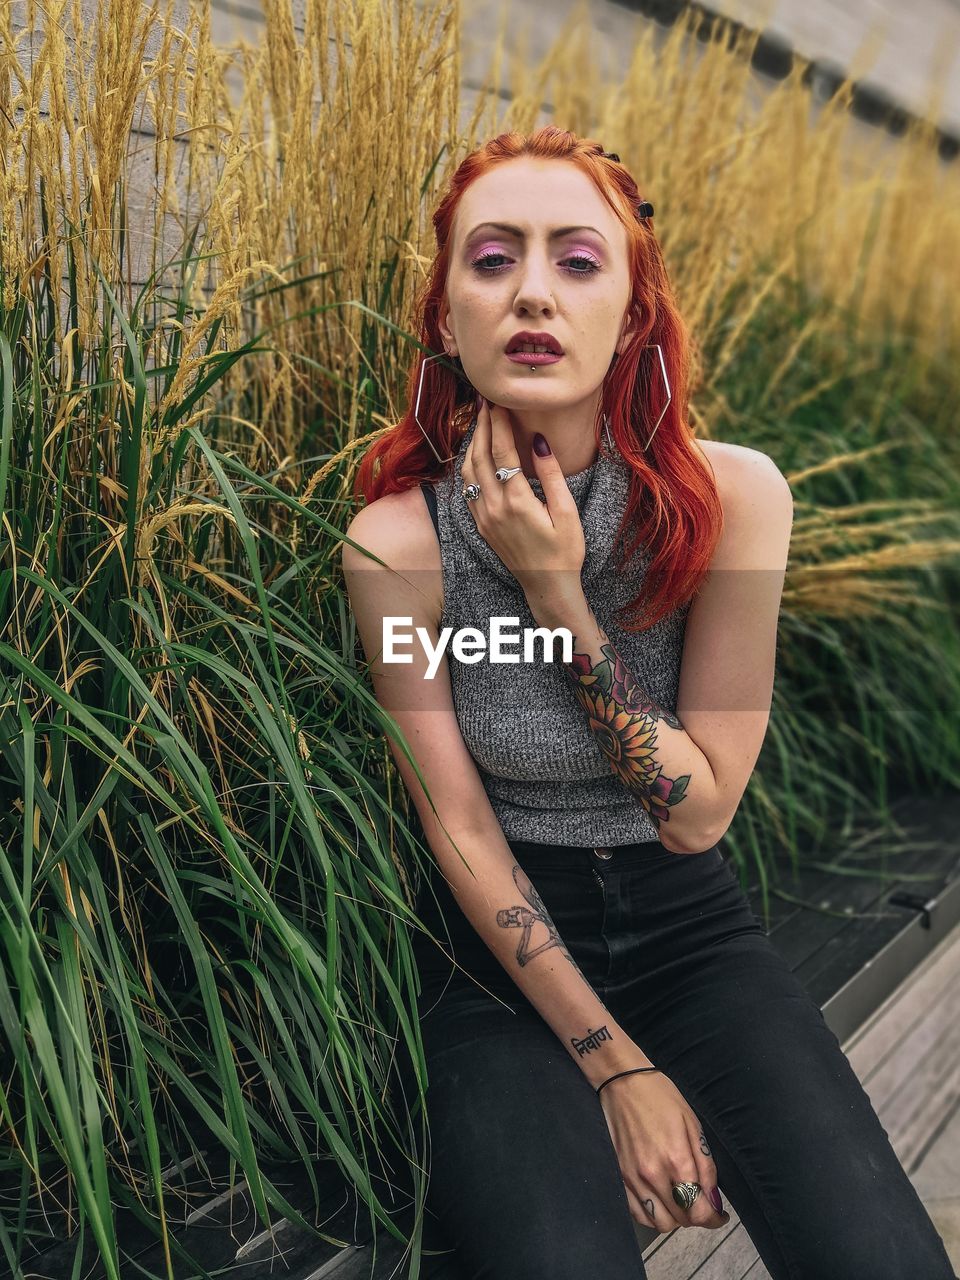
{"points": [[624, 719], [592, 1040], [525, 918]]}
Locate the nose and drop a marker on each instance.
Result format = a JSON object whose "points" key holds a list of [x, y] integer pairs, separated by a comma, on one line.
{"points": [[534, 291]]}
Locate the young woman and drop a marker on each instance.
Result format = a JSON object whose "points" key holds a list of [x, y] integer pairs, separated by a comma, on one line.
{"points": [[618, 1040]]}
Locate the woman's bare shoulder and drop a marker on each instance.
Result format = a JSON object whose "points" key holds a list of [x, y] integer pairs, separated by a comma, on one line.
{"points": [[734, 465], [727, 449], [397, 528]]}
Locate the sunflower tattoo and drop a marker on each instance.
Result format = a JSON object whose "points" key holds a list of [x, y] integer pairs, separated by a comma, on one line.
{"points": [[624, 718]]}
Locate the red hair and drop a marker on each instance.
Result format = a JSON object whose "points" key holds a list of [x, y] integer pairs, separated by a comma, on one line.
{"points": [[673, 507]]}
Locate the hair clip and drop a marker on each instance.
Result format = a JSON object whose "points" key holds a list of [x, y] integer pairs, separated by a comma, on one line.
{"points": [[645, 208]]}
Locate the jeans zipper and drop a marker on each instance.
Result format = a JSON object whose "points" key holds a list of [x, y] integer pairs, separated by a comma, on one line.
{"points": [[601, 989], [598, 876]]}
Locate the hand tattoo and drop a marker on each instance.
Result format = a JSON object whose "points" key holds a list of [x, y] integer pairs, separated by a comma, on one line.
{"points": [[703, 1144]]}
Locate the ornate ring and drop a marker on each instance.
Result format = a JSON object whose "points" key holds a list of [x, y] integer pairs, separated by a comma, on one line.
{"points": [[471, 492], [684, 1193], [503, 474]]}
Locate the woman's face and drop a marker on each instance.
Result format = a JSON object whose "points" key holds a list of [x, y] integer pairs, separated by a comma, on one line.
{"points": [[574, 286]]}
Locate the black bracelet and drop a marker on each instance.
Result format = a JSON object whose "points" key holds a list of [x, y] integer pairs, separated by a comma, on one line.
{"points": [[631, 1072]]}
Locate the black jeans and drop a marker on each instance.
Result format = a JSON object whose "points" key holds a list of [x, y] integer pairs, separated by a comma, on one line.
{"points": [[524, 1177]]}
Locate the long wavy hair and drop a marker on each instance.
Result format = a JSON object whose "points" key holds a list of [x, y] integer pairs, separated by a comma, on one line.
{"points": [[673, 508]]}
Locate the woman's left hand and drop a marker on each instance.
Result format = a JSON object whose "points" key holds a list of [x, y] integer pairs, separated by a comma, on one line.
{"points": [[541, 544]]}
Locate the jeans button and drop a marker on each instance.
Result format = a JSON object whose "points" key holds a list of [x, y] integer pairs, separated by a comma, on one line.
{"points": [[603, 853]]}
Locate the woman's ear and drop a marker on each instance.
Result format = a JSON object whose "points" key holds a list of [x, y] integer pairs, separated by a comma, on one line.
{"points": [[626, 332], [449, 341]]}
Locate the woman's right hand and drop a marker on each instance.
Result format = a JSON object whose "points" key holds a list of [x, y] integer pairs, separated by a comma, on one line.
{"points": [[659, 1141]]}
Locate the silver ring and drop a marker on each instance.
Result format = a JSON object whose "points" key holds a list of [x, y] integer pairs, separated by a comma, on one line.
{"points": [[471, 492], [684, 1193], [503, 474]]}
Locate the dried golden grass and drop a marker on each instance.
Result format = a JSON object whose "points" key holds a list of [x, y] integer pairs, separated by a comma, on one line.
{"points": [[318, 155], [311, 149]]}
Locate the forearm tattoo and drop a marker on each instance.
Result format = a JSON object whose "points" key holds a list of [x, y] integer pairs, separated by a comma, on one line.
{"points": [[624, 718], [526, 917], [592, 1040]]}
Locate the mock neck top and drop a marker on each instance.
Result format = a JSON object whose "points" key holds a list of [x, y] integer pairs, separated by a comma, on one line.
{"points": [[538, 759]]}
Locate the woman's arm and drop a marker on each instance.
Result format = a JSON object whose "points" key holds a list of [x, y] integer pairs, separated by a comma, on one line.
{"points": [[504, 907], [691, 769], [494, 893]]}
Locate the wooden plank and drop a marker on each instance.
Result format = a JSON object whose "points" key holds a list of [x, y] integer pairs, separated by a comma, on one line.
{"points": [[220, 1229], [936, 1172], [929, 830], [757, 1272], [912, 1029], [900, 1013], [188, 1184], [811, 939], [731, 1261], [884, 970], [909, 1062], [911, 1117], [843, 955], [685, 1249]]}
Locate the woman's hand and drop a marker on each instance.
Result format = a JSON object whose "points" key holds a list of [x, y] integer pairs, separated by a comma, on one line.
{"points": [[542, 545], [659, 1141]]}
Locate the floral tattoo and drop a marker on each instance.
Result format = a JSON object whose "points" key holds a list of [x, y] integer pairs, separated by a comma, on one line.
{"points": [[624, 720]]}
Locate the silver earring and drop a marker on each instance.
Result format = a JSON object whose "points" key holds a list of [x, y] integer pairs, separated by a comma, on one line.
{"points": [[666, 383], [416, 409]]}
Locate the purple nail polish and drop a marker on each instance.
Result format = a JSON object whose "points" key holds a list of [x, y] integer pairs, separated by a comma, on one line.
{"points": [[716, 1199], [540, 446]]}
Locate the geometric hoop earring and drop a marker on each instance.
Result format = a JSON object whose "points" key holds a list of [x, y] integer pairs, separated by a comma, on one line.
{"points": [[666, 383], [416, 411], [663, 370]]}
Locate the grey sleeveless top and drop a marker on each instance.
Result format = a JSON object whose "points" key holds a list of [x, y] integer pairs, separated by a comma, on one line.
{"points": [[538, 759]]}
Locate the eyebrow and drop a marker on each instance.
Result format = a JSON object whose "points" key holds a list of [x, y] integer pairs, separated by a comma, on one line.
{"points": [[556, 234]]}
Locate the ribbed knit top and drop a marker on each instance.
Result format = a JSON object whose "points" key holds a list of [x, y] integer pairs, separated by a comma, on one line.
{"points": [[538, 759]]}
